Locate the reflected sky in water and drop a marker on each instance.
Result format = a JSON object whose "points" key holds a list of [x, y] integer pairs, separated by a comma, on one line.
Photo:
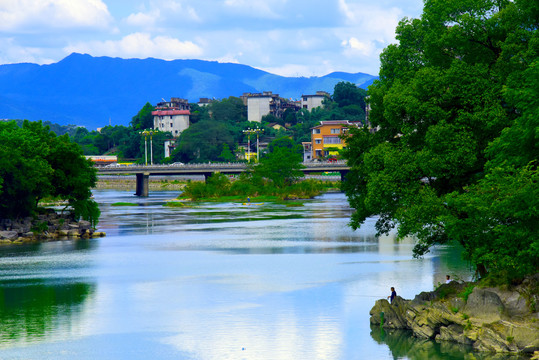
{"points": [[216, 281]]}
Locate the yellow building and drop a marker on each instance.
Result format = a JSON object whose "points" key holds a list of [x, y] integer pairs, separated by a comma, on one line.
{"points": [[326, 137]]}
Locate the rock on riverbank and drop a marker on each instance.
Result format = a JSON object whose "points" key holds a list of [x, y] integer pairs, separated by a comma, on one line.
{"points": [[45, 227], [489, 319]]}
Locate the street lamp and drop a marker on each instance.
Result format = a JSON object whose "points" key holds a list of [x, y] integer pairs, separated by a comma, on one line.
{"points": [[250, 131], [149, 133]]}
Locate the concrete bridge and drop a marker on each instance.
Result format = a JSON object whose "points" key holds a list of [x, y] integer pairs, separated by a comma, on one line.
{"points": [[143, 172]]}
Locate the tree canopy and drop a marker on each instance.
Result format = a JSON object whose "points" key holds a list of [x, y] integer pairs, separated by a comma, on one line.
{"points": [[282, 165], [454, 157], [203, 142], [35, 163]]}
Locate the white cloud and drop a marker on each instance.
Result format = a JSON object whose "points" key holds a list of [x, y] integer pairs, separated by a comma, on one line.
{"points": [[366, 48], [13, 53], [37, 16], [139, 45], [142, 19], [371, 21]]}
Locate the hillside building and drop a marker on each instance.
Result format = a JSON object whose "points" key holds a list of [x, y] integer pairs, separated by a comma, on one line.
{"points": [[172, 116], [310, 102], [266, 103], [326, 138]]}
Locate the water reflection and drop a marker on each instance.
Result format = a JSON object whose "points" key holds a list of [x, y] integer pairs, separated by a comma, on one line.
{"points": [[31, 310], [43, 290], [403, 344], [219, 281]]}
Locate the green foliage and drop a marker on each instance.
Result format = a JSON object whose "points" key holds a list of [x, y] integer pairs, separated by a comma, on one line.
{"points": [[123, 204], [35, 163], [219, 186], [40, 227], [203, 142], [230, 110], [226, 154], [453, 157], [347, 94], [144, 119], [282, 166], [467, 291]]}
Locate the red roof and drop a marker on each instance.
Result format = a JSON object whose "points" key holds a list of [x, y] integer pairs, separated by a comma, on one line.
{"points": [[171, 112]]}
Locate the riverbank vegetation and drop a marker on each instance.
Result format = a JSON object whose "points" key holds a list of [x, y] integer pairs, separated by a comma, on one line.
{"points": [[276, 177], [456, 150], [36, 164]]}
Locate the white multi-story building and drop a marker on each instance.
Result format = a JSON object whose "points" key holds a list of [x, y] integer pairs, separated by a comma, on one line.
{"points": [[172, 116], [262, 104], [310, 102]]}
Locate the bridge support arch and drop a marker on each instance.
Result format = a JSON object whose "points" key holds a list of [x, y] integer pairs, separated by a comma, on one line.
{"points": [[143, 184]]}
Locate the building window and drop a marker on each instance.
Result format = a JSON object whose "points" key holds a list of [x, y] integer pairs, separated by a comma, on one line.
{"points": [[332, 140], [162, 125], [335, 131], [305, 98], [171, 124], [318, 141], [318, 153], [316, 131], [170, 116]]}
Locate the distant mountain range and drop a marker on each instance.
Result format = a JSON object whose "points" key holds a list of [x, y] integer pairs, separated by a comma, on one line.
{"points": [[91, 91]]}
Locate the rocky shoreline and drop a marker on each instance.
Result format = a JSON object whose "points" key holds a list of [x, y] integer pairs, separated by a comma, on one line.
{"points": [[45, 227], [492, 319]]}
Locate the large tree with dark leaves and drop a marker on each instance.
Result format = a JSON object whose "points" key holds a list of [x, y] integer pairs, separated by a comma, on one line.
{"points": [[454, 155], [35, 163]]}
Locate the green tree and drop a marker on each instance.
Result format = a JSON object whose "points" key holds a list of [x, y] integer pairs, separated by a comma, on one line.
{"points": [[346, 94], [230, 110], [440, 101], [144, 118], [203, 142], [282, 166], [285, 142], [35, 163], [226, 154]]}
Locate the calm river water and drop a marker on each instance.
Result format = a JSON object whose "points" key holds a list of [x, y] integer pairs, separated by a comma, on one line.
{"points": [[219, 281]]}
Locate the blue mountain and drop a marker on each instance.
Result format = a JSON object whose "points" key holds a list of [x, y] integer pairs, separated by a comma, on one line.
{"points": [[91, 91]]}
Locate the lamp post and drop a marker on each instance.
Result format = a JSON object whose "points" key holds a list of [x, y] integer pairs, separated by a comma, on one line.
{"points": [[145, 133], [149, 133], [249, 132]]}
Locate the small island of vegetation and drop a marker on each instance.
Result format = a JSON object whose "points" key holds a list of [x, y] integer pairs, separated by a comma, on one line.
{"points": [[276, 177]]}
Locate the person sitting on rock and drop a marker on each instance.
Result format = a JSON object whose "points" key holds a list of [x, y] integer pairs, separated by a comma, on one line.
{"points": [[447, 279], [393, 294]]}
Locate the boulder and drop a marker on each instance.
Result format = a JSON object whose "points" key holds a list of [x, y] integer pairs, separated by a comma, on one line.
{"points": [[484, 304], [83, 224], [390, 316], [9, 235], [454, 333]]}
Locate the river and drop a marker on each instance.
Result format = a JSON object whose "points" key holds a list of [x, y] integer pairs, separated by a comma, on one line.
{"points": [[216, 281]]}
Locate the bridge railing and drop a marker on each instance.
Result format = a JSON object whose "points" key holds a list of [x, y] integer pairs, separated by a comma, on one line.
{"points": [[208, 166]]}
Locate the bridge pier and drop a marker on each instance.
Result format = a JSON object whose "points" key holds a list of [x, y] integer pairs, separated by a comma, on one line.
{"points": [[343, 174], [207, 175], [143, 184]]}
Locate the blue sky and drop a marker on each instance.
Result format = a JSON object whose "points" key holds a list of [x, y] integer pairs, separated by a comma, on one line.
{"points": [[285, 37]]}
